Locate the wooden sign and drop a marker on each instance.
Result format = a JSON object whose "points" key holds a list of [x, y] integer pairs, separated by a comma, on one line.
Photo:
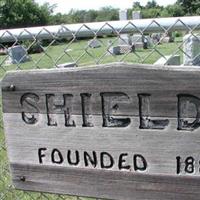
{"points": [[117, 131]]}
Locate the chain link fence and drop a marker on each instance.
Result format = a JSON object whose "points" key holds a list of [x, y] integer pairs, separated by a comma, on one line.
{"points": [[79, 45]]}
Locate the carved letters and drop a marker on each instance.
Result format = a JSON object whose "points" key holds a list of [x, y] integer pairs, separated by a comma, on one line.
{"points": [[109, 104]]}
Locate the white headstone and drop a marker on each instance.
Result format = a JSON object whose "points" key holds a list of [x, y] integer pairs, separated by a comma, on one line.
{"points": [[137, 41], [169, 60], [94, 43], [123, 15], [137, 38], [136, 15], [18, 54], [167, 38], [124, 39], [191, 47]]}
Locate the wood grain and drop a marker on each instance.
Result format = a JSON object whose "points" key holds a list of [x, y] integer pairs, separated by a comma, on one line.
{"points": [[105, 184], [122, 120], [161, 82]]}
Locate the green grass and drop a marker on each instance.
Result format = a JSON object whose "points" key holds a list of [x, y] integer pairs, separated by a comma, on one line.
{"points": [[78, 52], [49, 60]]}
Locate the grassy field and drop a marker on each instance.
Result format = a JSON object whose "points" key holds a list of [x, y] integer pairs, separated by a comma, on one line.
{"points": [[75, 52], [79, 52]]}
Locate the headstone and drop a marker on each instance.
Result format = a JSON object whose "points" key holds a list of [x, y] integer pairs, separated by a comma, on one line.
{"points": [[137, 41], [156, 38], [124, 39], [67, 65], [94, 43], [136, 15], [141, 41], [3, 51], [121, 49], [149, 40], [191, 48], [169, 60], [123, 15], [167, 38], [17, 54]]}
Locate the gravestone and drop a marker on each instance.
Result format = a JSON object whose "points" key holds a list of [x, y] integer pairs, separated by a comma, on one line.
{"points": [[169, 60], [115, 131], [149, 40], [3, 51], [136, 15], [156, 38], [94, 43], [137, 41], [124, 39], [17, 54], [121, 49], [123, 15], [191, 47], [167, 38], [141, 41]]}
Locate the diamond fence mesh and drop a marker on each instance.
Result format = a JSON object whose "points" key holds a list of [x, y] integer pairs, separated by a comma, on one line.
{"points": [[78, 45]]}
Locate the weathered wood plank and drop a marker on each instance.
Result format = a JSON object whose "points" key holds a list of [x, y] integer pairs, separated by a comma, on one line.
{"points": [[116, 131], [159, 147], [162, 83], [105, 184]]}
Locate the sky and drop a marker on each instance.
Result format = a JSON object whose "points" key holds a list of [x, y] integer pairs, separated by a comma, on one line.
{"points": [[64, 6]]}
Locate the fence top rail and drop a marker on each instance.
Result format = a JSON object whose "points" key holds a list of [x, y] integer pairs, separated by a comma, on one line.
{"points": [[101, 28]]}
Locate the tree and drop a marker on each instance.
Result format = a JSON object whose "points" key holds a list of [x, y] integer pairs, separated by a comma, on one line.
{"points": [[151, 4], [90, 16], [190, 7], [83, 16], [173, 11], [137, 6], [23, 13], [107, 14], [151, 12], [76, 16]]}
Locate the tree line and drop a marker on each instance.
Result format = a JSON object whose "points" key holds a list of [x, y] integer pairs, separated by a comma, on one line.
{"points": [[26, 13]]}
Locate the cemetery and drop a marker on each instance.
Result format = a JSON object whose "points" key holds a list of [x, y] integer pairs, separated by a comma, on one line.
{"points": [[134, 54], [100, 104], [135, 47]]}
